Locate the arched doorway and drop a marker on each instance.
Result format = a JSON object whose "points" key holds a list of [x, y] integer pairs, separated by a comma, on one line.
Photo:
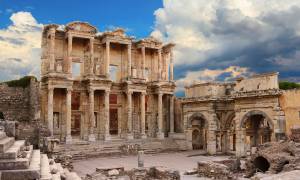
{"points": [[198, 125], [258, 128]]}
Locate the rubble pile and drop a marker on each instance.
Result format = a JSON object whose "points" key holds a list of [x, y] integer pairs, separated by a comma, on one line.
{"points": [[273, 158], [214, 170], [65, 161], [118, 173], [295, 134]]}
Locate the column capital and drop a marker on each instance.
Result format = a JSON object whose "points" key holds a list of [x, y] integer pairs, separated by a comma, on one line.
{"points": [[90, 90], [129, 45], [50, 88], [69, 90], [143, 93], [129, 92]]}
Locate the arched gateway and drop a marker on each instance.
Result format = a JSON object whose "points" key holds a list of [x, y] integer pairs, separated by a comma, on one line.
{"points": [[258, 128], [197, 123]]}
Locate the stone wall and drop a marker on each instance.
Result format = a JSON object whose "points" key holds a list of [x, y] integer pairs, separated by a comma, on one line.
{"points": [[18, 103], [289, 102]]}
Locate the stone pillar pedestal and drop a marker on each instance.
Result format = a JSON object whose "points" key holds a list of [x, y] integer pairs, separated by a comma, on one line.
{"points": [[211, 142]]}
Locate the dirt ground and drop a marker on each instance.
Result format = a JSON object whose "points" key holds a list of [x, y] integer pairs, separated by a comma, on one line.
{"points": [[181, 161]]}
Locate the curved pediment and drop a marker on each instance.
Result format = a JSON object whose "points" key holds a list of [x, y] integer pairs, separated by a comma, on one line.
{"points": [[81, 27]]}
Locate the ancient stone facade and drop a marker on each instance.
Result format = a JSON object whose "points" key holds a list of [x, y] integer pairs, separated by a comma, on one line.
{"points": [[233, 117], [100, 86]]}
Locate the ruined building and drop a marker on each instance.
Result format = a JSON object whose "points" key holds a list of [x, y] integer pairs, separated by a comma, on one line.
{"points": [[103, 86], [233, 117]]}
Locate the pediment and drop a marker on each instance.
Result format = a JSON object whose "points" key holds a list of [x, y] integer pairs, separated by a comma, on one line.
{"points": [[81, 27]]}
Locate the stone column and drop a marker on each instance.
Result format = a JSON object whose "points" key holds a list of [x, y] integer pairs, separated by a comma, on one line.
{"points": [[129, 60], [160, 134], [50, 109], [159, 64], [129, 117], [172, 115], [92, 56], [68, 119], [107, 43], [171, 66], [143, 61], [211, 135], [92, 116], [240, 142], [52, 48], [69, 63], [106, 114], [143, 115]]}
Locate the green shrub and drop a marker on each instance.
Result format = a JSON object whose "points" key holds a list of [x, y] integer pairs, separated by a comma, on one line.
{"points": [[288, 85], [22, 82]]}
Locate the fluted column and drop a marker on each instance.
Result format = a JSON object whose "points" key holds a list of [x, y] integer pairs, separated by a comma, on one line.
{"points": [[50, 109], [106, 114], [143, 114], [143, 61], [68, 119], [159, 64], [107, 44], [171, 66], [92, 56], [69, 63], [171, 114], [129, 117], [52, 49], [91, 115], [160, 133], [129, 60]]}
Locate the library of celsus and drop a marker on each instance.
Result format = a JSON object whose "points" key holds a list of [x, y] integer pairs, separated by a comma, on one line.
{"points": [[103, 86]]}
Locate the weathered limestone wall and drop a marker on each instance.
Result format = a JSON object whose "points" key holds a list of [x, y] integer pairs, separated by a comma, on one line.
{"points": [[206, 89], [290, 104], [20, 104], [258, 82]]}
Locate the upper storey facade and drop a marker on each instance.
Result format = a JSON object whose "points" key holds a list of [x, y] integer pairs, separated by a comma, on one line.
{"points": [[78, 51]]}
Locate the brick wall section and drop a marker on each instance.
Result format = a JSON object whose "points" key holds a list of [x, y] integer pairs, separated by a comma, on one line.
{"points": [[20, 104]]}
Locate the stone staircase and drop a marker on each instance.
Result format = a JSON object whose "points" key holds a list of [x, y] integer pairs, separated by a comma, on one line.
{"points": [[80, 149], [21, 162]]}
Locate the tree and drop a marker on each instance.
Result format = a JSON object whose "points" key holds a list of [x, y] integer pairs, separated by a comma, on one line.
{"points": [[288, 85]]}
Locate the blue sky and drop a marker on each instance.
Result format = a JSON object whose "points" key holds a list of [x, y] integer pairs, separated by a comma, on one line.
{"points": [[215, 40], [135, 15]]}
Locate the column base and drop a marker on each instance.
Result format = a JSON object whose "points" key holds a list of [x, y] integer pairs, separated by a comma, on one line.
{"points": [[129, 136], [107, 137], [144, 136], [68, 139], [171, 134], [92, 138], [160, 135]]}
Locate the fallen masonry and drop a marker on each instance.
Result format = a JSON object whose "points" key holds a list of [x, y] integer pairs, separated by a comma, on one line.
{"points": [[19, 161], [119, 173]]}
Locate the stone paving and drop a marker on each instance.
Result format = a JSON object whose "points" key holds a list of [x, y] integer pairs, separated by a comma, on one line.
{"points": [[181, 161]]}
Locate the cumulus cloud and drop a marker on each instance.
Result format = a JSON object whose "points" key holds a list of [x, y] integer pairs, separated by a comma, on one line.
{"points": [[20, 47], [211, 75], [259, 35]]}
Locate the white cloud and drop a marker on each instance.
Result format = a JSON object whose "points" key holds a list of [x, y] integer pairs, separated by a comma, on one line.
{"points": [[20, 47], [210, 75], [205, 29]]}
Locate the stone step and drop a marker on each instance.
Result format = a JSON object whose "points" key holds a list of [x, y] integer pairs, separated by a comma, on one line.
{"points": [[33, 172], [12, 152], [45, 168], [2, 135], [19, 163], [5, 143]]}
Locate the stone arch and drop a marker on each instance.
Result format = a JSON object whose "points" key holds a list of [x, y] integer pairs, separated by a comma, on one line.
{"points": [[198, 126], [255, 112], [196, 116]]}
